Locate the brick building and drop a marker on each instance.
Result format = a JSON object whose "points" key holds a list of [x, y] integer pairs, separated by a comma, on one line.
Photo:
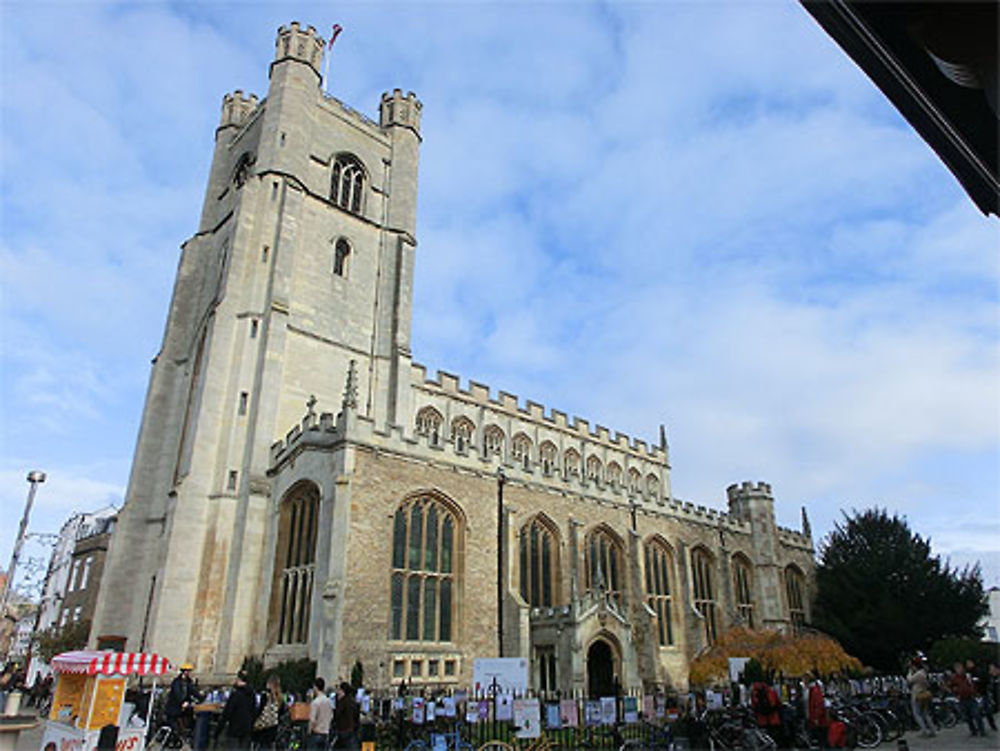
{"points": [[302, 488]]}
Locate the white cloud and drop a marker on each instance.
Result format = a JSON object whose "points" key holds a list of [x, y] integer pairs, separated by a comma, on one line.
{"points": [[701, 214]]}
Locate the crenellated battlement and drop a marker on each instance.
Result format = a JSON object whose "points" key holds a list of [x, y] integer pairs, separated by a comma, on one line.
{"points": [[479, 394], [397, 109], [326, 429], [737, 491], [301, 44], [237, 109]]}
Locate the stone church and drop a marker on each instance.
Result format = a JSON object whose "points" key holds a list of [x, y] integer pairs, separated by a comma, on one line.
{"points": [[302, 488]]}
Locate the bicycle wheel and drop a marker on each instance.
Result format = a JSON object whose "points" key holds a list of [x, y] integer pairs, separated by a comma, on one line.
{"points": [[496, 746], [868, 730]]}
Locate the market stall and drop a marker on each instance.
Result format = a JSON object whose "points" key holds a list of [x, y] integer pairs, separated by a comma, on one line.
{"points": [[89, 696]]}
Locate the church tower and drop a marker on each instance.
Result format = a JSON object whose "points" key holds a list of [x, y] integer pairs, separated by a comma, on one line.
{"points": [[302, 262]]}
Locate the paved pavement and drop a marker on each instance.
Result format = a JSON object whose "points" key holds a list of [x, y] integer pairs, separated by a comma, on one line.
{"points": [[955, 739]]}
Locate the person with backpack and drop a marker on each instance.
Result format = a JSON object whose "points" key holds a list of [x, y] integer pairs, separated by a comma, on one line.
{"points": [[767, 709]]}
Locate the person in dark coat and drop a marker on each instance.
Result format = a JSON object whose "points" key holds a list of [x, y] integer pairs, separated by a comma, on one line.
{"points": [[238, 715], [180, 700], [346, 718]]}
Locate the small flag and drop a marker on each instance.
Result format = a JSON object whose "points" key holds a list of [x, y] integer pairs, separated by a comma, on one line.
{"points": [[337, 28]]}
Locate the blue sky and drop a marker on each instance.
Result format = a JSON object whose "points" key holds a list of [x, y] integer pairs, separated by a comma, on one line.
{"points": [[700, 214]]}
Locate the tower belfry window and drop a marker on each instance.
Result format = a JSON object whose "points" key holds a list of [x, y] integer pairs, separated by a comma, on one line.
{"points": [[347, 183]]}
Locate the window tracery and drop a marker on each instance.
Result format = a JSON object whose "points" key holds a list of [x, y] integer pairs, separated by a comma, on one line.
{"points": [[539, 556], [704, 591], [423, 582], [429, 424], [347, 183], [659, 567]]}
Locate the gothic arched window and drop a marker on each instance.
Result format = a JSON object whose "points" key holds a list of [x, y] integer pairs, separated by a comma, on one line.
{"points": [[571, 462], [520, 447], [659, 567], [605, 564], [539, 548], [429, 424], [462, 429], [634, 480], [593, 469], [795, 585], [704, 591], [341, 253], [547, 455], [653, 485], [493, 441], [615, 474], [743, 587], [347, 183], [295, 561], [423, 584]]}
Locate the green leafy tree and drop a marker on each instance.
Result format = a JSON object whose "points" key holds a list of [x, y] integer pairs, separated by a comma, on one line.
{"points": [[58, 640], [883, 595]]}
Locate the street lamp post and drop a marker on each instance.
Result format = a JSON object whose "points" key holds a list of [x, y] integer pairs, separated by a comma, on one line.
{"points": [[501, 479], [35, 478]]}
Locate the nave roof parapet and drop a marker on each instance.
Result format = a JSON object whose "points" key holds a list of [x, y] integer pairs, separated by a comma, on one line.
{"points": [[478, 393]]}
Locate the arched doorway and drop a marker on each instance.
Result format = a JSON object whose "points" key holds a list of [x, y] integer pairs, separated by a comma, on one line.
{"points": [[601, 670]]}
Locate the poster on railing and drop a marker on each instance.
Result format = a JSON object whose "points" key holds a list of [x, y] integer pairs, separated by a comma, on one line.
{"points": [[592, 712], [505, 707], [430, 711], [472, 712], [484, 710], [568, 714], [609, 710], [631, 710], [418, 710], [527, 717], [647, 708], [552, 718], [661, 706], [448, 706]]}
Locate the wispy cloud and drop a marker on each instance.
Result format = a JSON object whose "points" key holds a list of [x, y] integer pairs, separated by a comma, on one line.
{"points": [[700, 214]]}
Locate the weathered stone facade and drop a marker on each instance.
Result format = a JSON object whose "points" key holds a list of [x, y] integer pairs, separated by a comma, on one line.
{"points": [[369, 531]]}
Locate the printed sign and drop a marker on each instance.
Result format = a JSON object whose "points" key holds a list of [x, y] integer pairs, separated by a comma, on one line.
{"points": [[609, 710], [552, 718], [527, 718], [592, 712], [505, 707], [647, 707], [418, 710], [507, 674], [631, 710], [569, 716], [448, 706]]}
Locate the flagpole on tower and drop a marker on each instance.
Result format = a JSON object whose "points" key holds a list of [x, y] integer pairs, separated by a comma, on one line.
{"points": [[337, 28]]}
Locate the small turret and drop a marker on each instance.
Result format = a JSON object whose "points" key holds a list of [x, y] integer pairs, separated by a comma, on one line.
{"points": [[806, 526], [236, 108], [741, 495], [296, 43], [401, 110]]}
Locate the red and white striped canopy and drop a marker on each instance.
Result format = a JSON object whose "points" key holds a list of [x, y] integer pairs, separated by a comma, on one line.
{"points": [[110, 663]]}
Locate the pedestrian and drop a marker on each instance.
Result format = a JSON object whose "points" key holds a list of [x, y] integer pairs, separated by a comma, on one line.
{"points": [[265, 727], [920, 697], [767, 709], [237, 715], [817, 719], [346, 717], [180, 700], [963, 689], [320, 717]]}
